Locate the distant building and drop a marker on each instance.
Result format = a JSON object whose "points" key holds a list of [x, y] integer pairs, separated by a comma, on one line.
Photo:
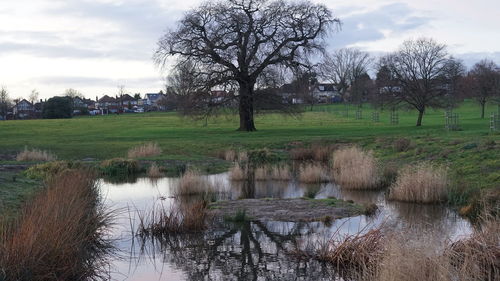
{"points": [[23, 109]]}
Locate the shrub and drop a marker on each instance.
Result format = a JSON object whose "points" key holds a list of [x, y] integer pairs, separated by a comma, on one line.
{"points": [[48, 170], [238, 173], [145, 150], [354, 168], [313, 173], [421, 183], [119, 167], [154, 171], [59, 234], [35, 155], [262, 156], [402, 144]]}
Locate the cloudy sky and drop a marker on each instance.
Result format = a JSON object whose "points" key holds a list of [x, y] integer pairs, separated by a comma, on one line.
{"points": [[96, 45]]}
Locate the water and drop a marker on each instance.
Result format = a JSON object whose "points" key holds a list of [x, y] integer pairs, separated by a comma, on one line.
{"points": [[254, 250]]}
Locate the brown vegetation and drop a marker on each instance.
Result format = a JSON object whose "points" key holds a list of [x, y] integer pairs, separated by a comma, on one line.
{"points": [[145, 150], [313, 173], [35, 155], [316, 152], [402, 144], [192, 183], [421, 183], [58, 235], [184, 218], [281, 173], [154, 171], [354, 168], [238, 173]]}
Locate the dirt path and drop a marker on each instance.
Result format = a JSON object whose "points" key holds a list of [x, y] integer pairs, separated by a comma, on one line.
{"points": [[298, 209]]}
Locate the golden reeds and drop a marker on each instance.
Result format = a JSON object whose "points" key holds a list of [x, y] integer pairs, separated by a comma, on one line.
{"points": [[354, 168], [145, 150], [421, 183], [35, 155]]}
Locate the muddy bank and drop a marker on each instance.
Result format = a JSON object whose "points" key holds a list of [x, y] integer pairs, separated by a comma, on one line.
{"points": [[293, 210]]}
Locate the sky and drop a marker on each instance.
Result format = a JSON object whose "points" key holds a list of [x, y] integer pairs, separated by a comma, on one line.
{"points": [[94, 46]]}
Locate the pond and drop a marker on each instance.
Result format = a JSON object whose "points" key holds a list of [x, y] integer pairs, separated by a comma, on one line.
{"points": [[254, 250]]}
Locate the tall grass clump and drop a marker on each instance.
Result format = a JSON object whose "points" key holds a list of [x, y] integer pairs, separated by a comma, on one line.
{"points": [[420, 183], [316, 152], [184, 218], [59, 234], [35, 155], [192, 183], [154, 171], [281, 173], [313, 173], [238, 173], [262, 173], [354, 168], [145, 150]]}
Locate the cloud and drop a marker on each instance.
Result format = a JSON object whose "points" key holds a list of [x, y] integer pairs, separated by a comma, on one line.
{"points": [[376, 24]]}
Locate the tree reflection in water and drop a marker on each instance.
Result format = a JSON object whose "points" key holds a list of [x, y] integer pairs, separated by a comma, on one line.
{"points": [[248, 250]]}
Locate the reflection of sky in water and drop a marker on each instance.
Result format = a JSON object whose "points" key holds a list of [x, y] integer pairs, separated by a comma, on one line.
{"points": [[190, 263]]}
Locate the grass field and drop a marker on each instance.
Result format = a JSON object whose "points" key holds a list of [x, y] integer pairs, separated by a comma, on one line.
{"points": [[472, 153]]}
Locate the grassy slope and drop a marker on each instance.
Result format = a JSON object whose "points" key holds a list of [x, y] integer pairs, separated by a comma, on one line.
{"points": [[14, 193], [470, 154]]}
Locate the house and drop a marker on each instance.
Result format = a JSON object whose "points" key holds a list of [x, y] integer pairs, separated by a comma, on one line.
{"points": [[326, 93], [128, 102], [23, 109], [152, 101], [107, 105]]}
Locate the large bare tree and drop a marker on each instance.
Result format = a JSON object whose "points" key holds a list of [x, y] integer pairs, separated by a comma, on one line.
{"points": [[423, 70], [234, 42], [344, 66], [483, 82]]}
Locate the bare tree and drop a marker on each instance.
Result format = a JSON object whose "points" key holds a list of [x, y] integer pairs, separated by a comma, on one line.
{"points": [[421, 68], [121, 92], [33, 96], [72, 93], [234, 41], [5, 102], [344, 66], [483, 82]]}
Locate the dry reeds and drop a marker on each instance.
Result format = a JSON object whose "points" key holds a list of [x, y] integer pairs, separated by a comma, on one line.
{"points": [[238, 173], [145, 150], [35, 155], [57, 236], [281, 173], [262, 173], [354, 252], [421, 183], [154, 171], [316, 153], [313, 173], [354, 168], [192, 183], [186, 218], [478, 255]]}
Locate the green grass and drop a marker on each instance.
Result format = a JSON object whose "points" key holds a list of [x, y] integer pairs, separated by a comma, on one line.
{"points": [[471, 153], [13, 193]]}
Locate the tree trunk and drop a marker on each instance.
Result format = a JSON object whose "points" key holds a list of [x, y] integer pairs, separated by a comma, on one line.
{"points": [[246, 108], [420, 116], [483, 105]]}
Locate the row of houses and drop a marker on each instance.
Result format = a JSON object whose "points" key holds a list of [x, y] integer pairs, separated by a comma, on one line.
{"points": [[24, 109]]}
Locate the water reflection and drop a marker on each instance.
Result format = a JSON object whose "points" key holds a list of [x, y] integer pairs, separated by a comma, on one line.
{"points": [[255, 250]]}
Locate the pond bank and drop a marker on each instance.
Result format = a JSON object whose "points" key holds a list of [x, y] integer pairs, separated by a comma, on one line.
{"points": [[292, 210]]}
